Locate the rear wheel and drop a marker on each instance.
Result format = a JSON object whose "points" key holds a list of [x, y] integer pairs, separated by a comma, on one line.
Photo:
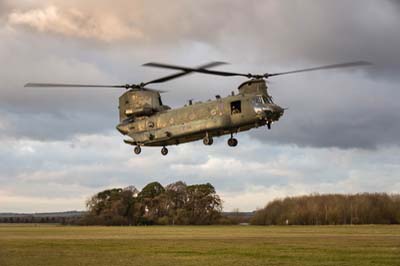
{"points": [[164, 151], [208, 140], [232, 142], [137, 150]]}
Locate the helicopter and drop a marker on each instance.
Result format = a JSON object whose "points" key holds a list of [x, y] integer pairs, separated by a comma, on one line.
{"points": [[148, 122]]}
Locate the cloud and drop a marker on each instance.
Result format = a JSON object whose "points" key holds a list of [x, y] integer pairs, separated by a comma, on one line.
{"points": [[271, 33], [338, 110], [75, 42], [246, 177], [48, 126], [74, 23], [340, 133], [26, 204]]}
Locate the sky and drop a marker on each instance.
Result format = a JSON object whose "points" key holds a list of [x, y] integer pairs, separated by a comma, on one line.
{"points": [[340, 134]]}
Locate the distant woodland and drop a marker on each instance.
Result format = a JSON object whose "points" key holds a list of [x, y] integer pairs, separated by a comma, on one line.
{"points": [[331, 209], [71, 217], [199, 204]]}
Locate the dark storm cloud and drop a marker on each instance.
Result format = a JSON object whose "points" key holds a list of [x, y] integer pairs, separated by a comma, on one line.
{"points": [[340, 110], [291, 33]]}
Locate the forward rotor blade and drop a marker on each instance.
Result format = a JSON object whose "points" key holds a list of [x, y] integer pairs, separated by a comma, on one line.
{"points": [[343, 65], [266, 75], [185, 72], [60, 85], [198, 70]]}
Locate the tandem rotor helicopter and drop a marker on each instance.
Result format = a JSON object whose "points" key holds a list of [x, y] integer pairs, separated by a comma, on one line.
{"points": [[148, 122]]}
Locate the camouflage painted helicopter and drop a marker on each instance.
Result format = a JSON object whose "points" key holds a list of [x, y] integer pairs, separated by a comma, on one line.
{"points": [[148, 122]]}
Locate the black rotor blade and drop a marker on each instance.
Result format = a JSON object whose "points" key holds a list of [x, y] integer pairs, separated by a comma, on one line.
{"points": [[60, 85], [185, 72], [266, 75], [198, 70], [127, 86], [342, 65]]}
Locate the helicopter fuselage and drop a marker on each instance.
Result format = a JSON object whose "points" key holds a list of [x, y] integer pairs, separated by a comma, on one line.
{"points": [[251, 108], [148, 122]]}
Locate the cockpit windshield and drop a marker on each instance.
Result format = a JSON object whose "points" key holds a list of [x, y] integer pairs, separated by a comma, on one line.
{"points": [[267, 99], [262, 99], [258, 99]]}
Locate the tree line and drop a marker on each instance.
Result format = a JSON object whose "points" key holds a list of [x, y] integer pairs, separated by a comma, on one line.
{"points": [[70, 217], [180, 204], [35, 220], [331, 209], [176, 203]]}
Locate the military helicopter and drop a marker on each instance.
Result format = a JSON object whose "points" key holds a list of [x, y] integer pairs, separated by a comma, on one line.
{"points": [[148, 122]]}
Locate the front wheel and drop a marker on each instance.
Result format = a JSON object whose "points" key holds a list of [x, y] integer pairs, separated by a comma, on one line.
{"points": [[269, 123]]}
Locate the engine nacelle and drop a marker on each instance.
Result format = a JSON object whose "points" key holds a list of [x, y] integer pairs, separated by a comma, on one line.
{"points": [[139, 103]]}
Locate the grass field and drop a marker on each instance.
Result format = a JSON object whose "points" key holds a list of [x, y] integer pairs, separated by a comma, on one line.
{"points": [[202, 245]]}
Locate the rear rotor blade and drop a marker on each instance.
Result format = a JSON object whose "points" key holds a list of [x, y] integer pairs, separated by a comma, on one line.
{"points": [[60, 85], [342, 65], [126, 86]]}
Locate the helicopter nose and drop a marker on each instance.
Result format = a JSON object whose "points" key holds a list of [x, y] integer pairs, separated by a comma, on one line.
{"points": [[273, 112], [279, 110]]}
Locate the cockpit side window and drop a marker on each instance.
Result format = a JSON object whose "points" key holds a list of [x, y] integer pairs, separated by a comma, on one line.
{"points": [[236, 107]]}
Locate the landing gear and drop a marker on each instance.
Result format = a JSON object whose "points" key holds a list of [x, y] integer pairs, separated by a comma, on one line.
{"points": [[232, 142], [269, 123], [208, 140], [164, 151], [137, 150]]}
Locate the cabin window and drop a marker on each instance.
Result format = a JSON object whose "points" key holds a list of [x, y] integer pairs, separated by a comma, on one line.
{"points": [[236, 107]]}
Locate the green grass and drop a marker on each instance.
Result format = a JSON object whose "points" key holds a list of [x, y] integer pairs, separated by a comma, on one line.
{"points": [[201, 245]]}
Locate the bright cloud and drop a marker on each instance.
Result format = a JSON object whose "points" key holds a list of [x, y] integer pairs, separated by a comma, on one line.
{"points": [[74, 23], [89, 163]]}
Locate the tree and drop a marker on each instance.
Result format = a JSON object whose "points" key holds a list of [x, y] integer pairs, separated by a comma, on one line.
{"points": [[203, 204], [177, 203], [111, 207], [315, 209], [152, 200], [177, 198]]}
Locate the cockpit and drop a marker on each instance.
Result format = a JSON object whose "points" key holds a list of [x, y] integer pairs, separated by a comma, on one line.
{"points": [[262, 104]]}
